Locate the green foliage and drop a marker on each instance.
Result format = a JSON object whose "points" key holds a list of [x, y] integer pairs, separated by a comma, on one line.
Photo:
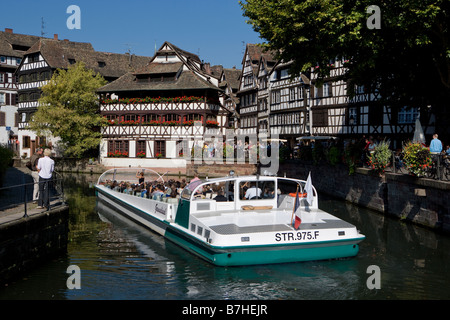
{"points": [[68, 109], [6, 156], [412, 43], [351, 155], [283, 153], [333, 155], [305, 153], [318, 152], [381, 156], [417, 158]]}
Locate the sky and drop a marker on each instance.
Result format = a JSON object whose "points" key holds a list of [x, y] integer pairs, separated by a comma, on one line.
{"points": [[216, 30]]}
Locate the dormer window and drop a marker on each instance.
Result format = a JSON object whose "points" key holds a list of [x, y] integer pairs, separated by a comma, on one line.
{"points": [[101, 64], [72, 61]]}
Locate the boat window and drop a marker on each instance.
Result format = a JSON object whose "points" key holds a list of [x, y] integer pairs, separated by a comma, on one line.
{"points": [[289, 186], [186, 194], [219, 191], [253, 190]]}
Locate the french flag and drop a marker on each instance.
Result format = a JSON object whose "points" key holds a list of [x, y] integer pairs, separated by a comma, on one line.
{"points": [[297, 220]]}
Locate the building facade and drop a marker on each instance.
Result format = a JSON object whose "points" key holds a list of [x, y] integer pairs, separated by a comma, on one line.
{"points": [[12, 49], [37, 67], [274, 102], [162, 111]]}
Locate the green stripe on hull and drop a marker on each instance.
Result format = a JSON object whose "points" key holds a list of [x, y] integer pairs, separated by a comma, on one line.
{"points": [[285, 255], [263, 255]]}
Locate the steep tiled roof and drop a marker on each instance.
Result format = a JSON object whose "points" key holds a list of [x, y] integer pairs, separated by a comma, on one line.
{"points": [[256, 51], [14, 45], [187, 80], [232, 78], [61, 53], [189, 75], [159, 68]]}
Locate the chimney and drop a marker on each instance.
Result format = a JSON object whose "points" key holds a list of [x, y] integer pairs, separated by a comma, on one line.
{"points": [[55, 36], [8, 30]]}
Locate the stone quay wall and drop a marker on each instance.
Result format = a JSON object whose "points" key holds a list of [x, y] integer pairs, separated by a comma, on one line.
{"points": [[425, 202], [26, 242]]}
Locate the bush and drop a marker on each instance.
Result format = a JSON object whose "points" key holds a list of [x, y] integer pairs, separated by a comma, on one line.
{"points": [[6, 156], [417, 158], [351, 155], [318, 152], [333, 155], [380, 158]]}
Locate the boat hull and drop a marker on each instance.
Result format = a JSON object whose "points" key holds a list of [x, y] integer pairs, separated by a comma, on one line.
{"points": [[231, 255], [268, 254]]}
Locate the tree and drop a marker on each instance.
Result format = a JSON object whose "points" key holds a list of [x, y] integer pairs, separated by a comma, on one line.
{"points": [[68, 109], [406, 59]]}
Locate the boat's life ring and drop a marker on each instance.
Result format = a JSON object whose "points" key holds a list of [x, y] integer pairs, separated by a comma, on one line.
{"points": [[300, 195]]}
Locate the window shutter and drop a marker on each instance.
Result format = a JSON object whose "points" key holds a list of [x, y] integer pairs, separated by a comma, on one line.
{"points": [[2, 119]]}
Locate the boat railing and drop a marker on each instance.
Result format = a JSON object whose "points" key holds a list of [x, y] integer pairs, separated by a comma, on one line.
{"points": [[130, 175]]}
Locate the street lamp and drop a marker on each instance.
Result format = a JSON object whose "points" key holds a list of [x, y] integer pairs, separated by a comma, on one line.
{"points": [[351, 121]]}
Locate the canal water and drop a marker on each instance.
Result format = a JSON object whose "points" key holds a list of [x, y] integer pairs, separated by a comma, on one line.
{"points": [[119, 260]]}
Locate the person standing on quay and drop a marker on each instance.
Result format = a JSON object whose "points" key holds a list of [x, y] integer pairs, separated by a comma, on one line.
{"points": [[34, 173], [45, 167], [436, 144]]}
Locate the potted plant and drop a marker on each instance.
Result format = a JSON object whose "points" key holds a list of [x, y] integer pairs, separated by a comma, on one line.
{"points": [[417, 158], [381, 156]]}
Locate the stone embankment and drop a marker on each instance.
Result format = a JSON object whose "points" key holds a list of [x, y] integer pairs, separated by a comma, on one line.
{"points": [[26, 240], [425, 202]]}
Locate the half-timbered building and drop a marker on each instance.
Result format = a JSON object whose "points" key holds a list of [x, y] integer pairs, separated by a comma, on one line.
{"points": [[39, 64], [248, 88], [335, 113], [161, 110], [288, 103], [12, 49], [272, 100], [229, 83]]}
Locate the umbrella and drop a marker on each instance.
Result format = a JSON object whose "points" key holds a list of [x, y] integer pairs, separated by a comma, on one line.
{"points": [[419, 136]]}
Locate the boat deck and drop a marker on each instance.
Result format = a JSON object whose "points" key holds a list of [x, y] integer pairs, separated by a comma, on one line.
{"points": [[231, 228], [273, 220]]}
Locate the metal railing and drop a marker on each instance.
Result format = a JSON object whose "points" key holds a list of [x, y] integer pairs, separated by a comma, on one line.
{"points": [[19, 198]]}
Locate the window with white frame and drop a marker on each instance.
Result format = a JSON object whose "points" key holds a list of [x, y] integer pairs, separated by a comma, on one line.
{"points": [[2, 98], [276, 96], [408, 114], [292, 94], [326, 89], [300, 93], [352, 116]]}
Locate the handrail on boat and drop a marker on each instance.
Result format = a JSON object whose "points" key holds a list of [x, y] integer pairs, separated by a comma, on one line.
{"points": [[116, 171]]}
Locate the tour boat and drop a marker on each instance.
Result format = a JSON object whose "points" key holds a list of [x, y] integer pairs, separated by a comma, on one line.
{"points": [[277, 222]]}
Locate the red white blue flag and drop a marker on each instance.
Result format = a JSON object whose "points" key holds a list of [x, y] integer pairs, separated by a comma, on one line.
{"points": [[297, 220]]}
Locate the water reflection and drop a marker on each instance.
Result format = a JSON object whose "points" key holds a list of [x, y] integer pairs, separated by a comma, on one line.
{"points": [[121, 260]]}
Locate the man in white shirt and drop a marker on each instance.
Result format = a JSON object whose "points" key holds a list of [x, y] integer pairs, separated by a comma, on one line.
{"points": [[253, 192], [45, 167]]}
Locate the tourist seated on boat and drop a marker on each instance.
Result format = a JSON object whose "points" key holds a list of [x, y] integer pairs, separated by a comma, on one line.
{"points": [[268, 193], [207, 190], [167, 189], [158, 193], [174, 192], [253, 192], [220, 196]]}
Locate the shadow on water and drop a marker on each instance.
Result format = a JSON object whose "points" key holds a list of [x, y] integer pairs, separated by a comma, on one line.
{"points": [[121, 260]]}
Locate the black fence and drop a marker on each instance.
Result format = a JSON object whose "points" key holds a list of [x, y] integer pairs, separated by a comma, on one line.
{"points": [[439, 169], [19, 198]]}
